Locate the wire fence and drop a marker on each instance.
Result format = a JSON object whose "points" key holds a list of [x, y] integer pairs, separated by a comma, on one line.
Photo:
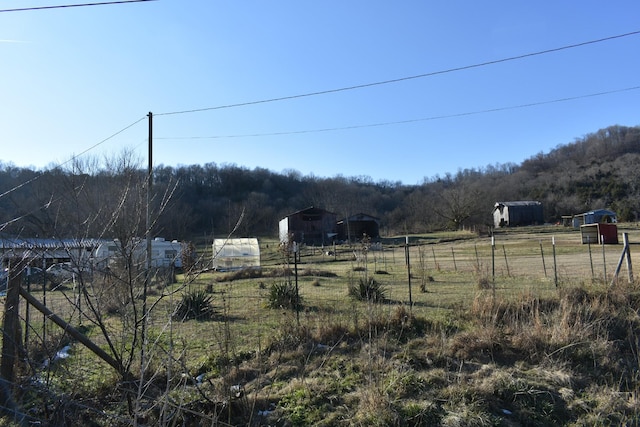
{"points": [[417, 275]]}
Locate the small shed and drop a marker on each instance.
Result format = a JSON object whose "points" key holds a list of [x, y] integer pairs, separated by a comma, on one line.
{"points": [[518, 213], [236, 254], [602, 216], [599, 233]]}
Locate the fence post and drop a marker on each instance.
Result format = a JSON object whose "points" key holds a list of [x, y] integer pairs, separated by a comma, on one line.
{"points": [[408, 261], [493, 260], [295, 269], [477, 258], [590, 257], [544, 265], [11, 340], [435, 261], [604, 259], [625, 254], [11, 334], [453, 255], [504, 251], [555, 262], [625, 239]]}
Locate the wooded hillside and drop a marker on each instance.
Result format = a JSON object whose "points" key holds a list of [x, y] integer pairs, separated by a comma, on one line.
{"points": [[97, 199]]}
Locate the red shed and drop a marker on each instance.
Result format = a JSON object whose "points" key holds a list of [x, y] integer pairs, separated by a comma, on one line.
{"points": [[599, 233]]}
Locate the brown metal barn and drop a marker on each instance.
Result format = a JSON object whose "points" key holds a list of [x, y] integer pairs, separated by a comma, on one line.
{"points": [[312, 226]]}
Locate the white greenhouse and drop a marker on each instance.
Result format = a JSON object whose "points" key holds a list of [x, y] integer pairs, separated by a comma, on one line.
{"points": [[236, 254]]}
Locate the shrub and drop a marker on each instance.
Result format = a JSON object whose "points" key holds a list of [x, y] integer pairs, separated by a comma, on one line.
{"points": [[484, 283], [368, 290], [284, 295], [195, 305]]}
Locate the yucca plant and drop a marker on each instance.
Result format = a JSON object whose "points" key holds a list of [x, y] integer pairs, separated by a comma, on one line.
{"points": [[195, 305], [368, 290], [284, 295]]}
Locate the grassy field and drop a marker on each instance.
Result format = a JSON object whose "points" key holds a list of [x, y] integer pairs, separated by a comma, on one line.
{"points": [[447, 271], [468, 331]]}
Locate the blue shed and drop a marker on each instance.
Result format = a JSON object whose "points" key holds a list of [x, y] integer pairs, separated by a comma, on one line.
{"points": [[597, 216]]}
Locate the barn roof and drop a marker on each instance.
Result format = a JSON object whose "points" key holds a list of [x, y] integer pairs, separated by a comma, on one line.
{"points": [[519, 203], [311, 210], [360, 217]]}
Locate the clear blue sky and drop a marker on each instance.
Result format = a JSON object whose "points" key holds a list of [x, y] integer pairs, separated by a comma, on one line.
{"points": [[72, 77]]}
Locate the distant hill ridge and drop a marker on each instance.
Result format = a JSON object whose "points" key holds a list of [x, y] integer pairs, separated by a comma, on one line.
{"points": [[599, 170]]}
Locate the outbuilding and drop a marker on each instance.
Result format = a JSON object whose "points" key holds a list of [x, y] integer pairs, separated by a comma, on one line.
{"points": [[236, 254], [599, 233], [356, 226], [597, 216], [517, 213], [309, 226], [46, 252]]}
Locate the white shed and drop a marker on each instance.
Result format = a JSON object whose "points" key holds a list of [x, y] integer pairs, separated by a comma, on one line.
{"points": [[236, 254]]}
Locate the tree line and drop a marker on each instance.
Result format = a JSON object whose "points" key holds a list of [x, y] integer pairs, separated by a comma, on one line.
{"points": [[106, 198]]}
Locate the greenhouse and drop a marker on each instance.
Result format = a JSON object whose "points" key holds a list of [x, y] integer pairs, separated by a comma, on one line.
{"points": [[236, 254]]}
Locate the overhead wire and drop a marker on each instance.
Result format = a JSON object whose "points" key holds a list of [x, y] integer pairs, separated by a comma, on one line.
{"points": [[402, 79], [398, 122], [25, 9], [103, 141], [72, 157], [342, 89]]}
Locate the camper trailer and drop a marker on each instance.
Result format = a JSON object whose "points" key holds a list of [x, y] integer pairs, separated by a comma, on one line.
{"points": [[163, 253]]}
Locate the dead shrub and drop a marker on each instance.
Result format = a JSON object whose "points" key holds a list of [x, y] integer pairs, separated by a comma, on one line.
{"points": [[479, 344], [245, 273], [484, 283]]}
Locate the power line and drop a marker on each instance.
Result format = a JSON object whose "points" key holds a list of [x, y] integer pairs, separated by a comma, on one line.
{"points": [[401, 79], [103, 141], [447, 116], [24, 9], [11, 190]]}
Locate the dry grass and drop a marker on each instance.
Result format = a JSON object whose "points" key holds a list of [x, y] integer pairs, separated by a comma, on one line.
{"points": [[521, 352]]}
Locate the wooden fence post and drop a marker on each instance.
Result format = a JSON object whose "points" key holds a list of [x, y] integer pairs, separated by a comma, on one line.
{"points": [[11, 335], [453, 255], [11, 339]]}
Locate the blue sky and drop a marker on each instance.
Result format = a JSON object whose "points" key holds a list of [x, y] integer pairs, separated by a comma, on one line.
{"points": [[73, 77]]}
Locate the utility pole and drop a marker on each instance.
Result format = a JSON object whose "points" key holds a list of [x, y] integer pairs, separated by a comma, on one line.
{"points": [[147, 278]]}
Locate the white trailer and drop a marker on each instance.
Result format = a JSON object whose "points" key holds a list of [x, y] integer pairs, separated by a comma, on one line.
{"points": [[164, 253]]}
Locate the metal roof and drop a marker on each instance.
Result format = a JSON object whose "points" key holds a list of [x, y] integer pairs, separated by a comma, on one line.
{"points": [[39, 243]]}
